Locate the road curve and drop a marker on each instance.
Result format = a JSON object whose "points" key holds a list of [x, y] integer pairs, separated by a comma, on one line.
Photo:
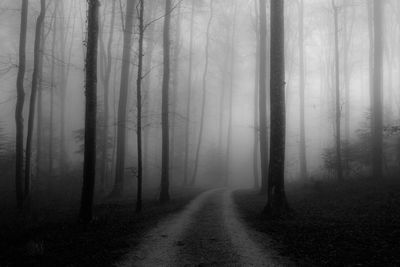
{"points": [[207, 233]]}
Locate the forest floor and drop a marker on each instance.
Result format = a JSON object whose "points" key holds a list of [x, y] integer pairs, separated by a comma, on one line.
{"points": [[207, 233], [54, 238], [356, 223]]}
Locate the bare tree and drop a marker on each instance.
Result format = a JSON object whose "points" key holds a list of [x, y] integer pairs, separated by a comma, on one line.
{"points": [[188, 100], [230, 100], [139, 107], [123, 98], [89, 168], [263, 98], [338, 117], [377, 110], [164, 193], [32, 104], [303, 154], [277, 204], [204, 95], [19, 120]]}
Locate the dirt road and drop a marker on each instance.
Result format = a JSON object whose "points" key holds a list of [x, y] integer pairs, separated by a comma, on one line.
{"points": [[207, 233]]}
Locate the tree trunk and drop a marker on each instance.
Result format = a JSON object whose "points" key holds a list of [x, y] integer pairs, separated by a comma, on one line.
{"points": [[123, 98], [230, 100], [106, 86], [263, 98], [303, 154], [32, 108], [164, 193], [175, 85], [277, 203], [204, 95], [188, 101], [89, 168], [338, 138], [40, 110], [139, 107], [19, 120], [377, 110], [256, 103]]}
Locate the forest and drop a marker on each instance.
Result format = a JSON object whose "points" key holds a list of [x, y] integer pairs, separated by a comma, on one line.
{"points": [[199, 133]]}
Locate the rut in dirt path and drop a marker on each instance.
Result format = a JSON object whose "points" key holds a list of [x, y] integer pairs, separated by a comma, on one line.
{"points": [[207, 232]]}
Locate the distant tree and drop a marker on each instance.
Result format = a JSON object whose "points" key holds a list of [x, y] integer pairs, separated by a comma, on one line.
{"points": [[89, 168], [303, 154], [204, 94], [19, 120], [32, 104], [123, 98], [230, 99], [277, 204], [139, 107], [339, 168], [175, 82], [256, 102], [263, 98], [105, 66], [188, 100], [164, 193], [377, 110]]}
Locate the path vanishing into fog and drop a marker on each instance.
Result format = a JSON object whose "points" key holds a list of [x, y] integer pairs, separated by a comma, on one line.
{"points": [[208, 232]]}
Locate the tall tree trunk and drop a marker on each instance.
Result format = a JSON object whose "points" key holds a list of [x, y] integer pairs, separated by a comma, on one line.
{"points": [[303, 154], [256, 103], [204, 95], [89, 168], [32, 108], [277, 204], [52, 89], [263, 98], [175, 85], [147, 87], [164, 193], [338, 138], [230, 100], [123, 98], [188, 100], [106, 86], [19, 120], [139, 107], [40, 109], [377, 110]]}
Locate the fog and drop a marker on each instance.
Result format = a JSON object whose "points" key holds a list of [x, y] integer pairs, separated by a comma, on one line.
{"points": [[338, 119]]}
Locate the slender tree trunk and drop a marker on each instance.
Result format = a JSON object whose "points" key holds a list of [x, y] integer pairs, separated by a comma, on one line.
{"points": [[188, 101], [277, 203], [175, 85], [371, 57], [19, 120], [52, 89], [263, 98], [32, 108], [256, 103], [303, 154], [106, 86], [40, 110], [204, 95], [164, 193], [123, 98], [377, 111], [89, 168], [147, 88], [139, 107], [231, 87], [338, 138]]}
